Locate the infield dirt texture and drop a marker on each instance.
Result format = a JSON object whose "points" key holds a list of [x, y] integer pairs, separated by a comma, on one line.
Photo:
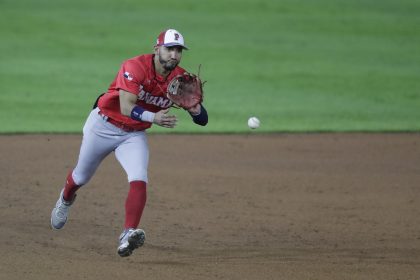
{"points": [[308, 206]]}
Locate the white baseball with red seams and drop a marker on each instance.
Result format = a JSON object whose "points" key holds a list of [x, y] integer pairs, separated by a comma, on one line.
{"points": [[253, 122]]}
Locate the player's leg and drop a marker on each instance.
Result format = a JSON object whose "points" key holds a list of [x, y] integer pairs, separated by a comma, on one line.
{"points": [[100, 138], [133, 155], [98, 141]]}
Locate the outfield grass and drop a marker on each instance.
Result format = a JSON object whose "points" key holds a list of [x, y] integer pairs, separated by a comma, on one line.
{"points": [[297, 65]]}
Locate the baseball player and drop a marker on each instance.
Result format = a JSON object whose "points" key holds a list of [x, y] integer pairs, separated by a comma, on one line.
{"points": [[135, 100]]}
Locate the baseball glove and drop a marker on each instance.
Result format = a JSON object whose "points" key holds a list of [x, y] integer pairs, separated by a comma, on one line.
{"points": [[185, 91]]}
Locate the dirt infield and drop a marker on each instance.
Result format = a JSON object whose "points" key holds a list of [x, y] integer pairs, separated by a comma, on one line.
{"points": [[317, 206]]}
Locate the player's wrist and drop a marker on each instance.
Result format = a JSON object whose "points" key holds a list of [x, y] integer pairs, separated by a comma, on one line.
{"points": [[195, 111], [202, 118], [139, 114], [148, 116]]}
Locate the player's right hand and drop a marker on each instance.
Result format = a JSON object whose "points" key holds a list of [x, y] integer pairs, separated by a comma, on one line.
{"points": [[163, 119]]}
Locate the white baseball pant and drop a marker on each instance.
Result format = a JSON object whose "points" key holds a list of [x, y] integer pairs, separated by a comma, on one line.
{"points": [[100, 138]]}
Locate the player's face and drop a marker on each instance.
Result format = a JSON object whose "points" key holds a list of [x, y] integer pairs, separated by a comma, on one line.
{"points": [[169, 57]]}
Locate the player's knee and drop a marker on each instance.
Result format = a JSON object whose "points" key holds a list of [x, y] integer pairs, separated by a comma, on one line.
{"points": [[81, 179], [138, 174]]}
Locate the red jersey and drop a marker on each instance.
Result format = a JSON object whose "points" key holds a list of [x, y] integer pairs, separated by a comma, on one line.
{"points": [[137, 75]]}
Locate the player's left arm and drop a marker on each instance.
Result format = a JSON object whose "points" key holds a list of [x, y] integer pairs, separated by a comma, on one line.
{"points": [[199, 114]]}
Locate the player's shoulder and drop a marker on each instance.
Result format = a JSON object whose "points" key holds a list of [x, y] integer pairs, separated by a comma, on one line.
{"points": [[144, 59], [138, 65]]}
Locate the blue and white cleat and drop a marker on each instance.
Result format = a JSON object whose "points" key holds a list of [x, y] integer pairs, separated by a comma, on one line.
{"points": [[130, 240]]}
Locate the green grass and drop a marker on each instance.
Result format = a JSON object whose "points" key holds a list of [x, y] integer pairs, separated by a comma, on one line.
{"points": [[297, 65]]}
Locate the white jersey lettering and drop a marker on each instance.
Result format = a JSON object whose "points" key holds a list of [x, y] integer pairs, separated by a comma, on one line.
{"points": [[158, 101]]}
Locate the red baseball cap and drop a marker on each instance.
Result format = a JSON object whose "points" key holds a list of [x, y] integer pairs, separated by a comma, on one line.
{"points": [[169, 38]]}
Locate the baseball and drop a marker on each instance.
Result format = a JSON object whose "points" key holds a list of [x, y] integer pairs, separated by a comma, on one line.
{"points": [[253, 122]]}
